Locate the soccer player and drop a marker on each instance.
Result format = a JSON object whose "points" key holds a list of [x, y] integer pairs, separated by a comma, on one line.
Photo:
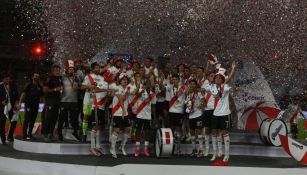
{"points": [[120, 115]]}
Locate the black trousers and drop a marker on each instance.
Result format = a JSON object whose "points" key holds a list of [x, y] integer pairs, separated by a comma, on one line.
{"points": [[50, 119], [2, 126], [71, 110], [30, 118]]}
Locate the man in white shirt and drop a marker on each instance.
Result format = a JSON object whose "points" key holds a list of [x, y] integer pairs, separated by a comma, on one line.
{"points": [[208, 102], [194, 110], [96, 91], [220, 122], [143, 118], [120, 115], [176, 108]]}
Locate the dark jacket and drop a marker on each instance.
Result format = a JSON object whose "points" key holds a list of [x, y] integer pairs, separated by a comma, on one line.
{"points": [[13, 93]]}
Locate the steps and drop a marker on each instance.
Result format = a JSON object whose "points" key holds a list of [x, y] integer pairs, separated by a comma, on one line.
{"points": [[248, 144]]}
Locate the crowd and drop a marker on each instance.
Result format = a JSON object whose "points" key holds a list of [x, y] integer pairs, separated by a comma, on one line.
{"points": [[192, 100]]}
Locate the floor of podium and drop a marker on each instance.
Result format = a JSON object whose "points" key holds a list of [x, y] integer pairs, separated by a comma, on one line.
{"points": [[108, 160]]}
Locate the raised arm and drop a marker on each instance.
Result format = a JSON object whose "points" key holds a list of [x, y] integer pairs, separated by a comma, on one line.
{"points": [[233, 69]]}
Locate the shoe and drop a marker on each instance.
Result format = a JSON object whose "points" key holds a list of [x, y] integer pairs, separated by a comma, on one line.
{"points": [[11, 140], [51, 138], [213, 157], [83, 139], [137, 152], [194, 153], [113, 152], [46, 139], [200, 153], [4, 143], [75, 136], [95, 152], [122, 150], [100, 150], [219, 153], [146, 152], [226, 158], [178, 152], [206, 152], [60, 137]]}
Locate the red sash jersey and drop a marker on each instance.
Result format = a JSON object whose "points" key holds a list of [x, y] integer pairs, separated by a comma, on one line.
{"points": [[144, 105], [95, 99], [196, 109], [116, 107], [177, 98], [221, 96], [209, 98]]}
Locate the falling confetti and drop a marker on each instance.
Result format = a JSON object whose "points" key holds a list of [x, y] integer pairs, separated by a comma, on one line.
{"points": [[273, 34]]}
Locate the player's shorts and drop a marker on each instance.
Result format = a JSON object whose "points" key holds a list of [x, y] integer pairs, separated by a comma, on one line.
{"points": [[207, 117], [196, 123], [175, 119], [142, 123], [119, 122], [220, 122], [100, 118]]}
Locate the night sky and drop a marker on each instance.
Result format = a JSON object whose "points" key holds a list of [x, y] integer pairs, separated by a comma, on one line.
{"points": [[271, 33]]}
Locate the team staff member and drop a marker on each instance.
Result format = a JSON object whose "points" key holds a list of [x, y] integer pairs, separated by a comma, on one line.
{"points": [[31, 95], [53, 91], [69, 100], [8, 100]]}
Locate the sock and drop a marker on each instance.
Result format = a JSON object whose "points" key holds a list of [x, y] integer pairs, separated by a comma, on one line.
{"points": [[214, 143], [138, 144], [207, 141], [146, 144], [124, 141], [178, 140], [227, 144], [84, 127], [133, 131], [200, 142], [98, 141], [93, 137], [193, 142], [219, 142], [113, 140]]}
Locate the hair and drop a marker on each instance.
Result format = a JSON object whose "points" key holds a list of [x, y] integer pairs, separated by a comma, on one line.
{"points": [[55, 66], [119, 81], [175, 76], [201, 68], [193, 80], [136, 74], [149, 58], [220, 76], [6, 75], [93, 65]]}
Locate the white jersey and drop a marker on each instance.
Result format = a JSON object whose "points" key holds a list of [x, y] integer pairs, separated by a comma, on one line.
{"points": [[161, 96], [145, 113], [210, 98], [130, 73], [178, 106], [194, 101], [111, 74], [166, 83], [89, 96], [222, 107], [132, 88], [120, 91]]}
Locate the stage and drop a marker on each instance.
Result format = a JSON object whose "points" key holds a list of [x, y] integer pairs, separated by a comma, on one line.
{"points": [[67, 161]]}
